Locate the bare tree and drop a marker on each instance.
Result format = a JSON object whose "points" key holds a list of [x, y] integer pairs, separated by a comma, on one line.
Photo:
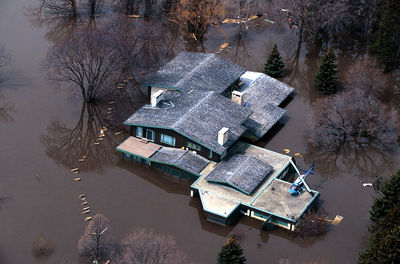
{"points": [[88, 59], [196, 16], [95, 243], [145, 247], [353, 117], [367, 75]]}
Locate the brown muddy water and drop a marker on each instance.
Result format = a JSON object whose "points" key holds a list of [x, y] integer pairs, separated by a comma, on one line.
{"points": [[47, 129]]}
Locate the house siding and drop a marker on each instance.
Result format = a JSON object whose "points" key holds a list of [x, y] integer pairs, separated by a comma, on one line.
{"points": [[180, 141]]}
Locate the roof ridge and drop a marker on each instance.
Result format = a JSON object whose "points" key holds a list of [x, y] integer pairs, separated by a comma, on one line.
{"points": [[190, 74], [183, 117]]}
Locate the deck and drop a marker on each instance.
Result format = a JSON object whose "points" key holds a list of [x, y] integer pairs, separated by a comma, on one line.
{"points": [[139, 147]]}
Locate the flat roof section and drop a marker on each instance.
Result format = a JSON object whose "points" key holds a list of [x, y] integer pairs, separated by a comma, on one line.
{"points": [[138, 147], [216, 204], [276, 199]]}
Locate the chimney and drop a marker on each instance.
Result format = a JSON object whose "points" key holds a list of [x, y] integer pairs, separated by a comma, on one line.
{"points": [[237, 97], [223, 136], [156, 98]]}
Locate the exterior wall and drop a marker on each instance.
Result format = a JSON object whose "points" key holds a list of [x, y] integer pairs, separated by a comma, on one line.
{"points": [[180, 141]]}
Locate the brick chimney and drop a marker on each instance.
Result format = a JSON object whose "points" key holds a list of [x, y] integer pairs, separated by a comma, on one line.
{"points": [[237, 97], [223, 136]]}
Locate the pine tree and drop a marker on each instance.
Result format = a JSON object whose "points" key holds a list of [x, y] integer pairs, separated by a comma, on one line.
{"points": [[386, 38], [326, 80], [274, 65], [231, 253], [390, 199]]}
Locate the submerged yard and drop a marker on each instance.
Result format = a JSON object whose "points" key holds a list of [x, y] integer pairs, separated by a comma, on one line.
{"points": [[47, 129]]}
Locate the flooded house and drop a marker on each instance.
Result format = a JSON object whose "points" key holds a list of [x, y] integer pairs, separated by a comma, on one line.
{"points": [[200, 107]]}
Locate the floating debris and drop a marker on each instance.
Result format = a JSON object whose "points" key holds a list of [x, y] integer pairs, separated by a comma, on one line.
{"points": [[112, 102], [76, 172], [81, 160], [82, 199], [109, 112], [194, 36], [100, 139], [367, 184], [269, 21], [232, 21], [337, 220], [117, 133], [298, 155], [84, 157], [125, 81], [222, 47], [77, 179], [252, 17], [85, 208], [82, 195], [107, 262], [286, 151], [84, 203], [88, 218], [130, 77], [96, 143], [74, 169], [134, 16], [86, 212]]}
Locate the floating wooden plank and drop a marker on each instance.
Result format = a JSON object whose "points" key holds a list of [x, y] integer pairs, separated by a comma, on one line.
{"points": [[76, 172], [74, 169], [84, 157], [134, 16], [252, 17], [286, 151], [269, 21], [77, 179], [298, 155], [125, 81], [112, 102], [337, 220], [223, 46], [81, 195], [84, 203], [86, 212], [85, 208], [82, 199], [130, 77], [81, 160], [100, 139], [96, 143], [109, 112], [117, 133], [88, 218], [107, 262], [109, 109]]}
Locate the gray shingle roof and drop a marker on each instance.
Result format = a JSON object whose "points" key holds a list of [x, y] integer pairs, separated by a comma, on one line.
{"points": [[242, 172], [198, 115], [262, 96], [196, 71], [184, 159]]}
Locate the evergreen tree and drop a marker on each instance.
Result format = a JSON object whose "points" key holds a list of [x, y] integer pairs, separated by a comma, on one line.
{"points": [[386, 38], [274, 66], [390, 199], [231, 253], [326, 80], [384, 242]]}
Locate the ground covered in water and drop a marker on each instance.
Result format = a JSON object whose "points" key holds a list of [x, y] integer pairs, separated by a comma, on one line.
{"points": [[47, 130]]}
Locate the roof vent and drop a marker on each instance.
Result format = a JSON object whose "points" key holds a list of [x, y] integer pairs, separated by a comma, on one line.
{"points": [[223, 136], [237, 97], [156, 98]]}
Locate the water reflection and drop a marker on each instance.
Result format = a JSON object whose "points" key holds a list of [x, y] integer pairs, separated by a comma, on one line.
{"points": [[82, 145], [366, 161]]}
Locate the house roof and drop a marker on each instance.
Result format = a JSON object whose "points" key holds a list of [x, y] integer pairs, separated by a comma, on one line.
{"points": [[184, 159], [198, 115], [262, 96], [196, 71], [242, 172]]}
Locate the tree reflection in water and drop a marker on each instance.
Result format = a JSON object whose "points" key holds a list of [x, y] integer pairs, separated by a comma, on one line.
{"points": [[68, 145], [366, 161]]}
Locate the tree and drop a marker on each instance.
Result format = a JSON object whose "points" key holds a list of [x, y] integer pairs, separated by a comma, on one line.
{"points": [[326, 80], [390, 198], [145, 247], [366, 75], [386, 39], [384, 242], [95, 243], [274, 66], [196, 16], [231, 253], [88, 59], [355, 118]]}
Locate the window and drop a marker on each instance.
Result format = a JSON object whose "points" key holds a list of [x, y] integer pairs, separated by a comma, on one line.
{"points": [[167, 139], [139, 132], [150, 134], [193, 146]]}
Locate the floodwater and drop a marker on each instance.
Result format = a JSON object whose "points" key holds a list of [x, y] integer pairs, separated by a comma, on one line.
{"points": [[48, 129]]}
